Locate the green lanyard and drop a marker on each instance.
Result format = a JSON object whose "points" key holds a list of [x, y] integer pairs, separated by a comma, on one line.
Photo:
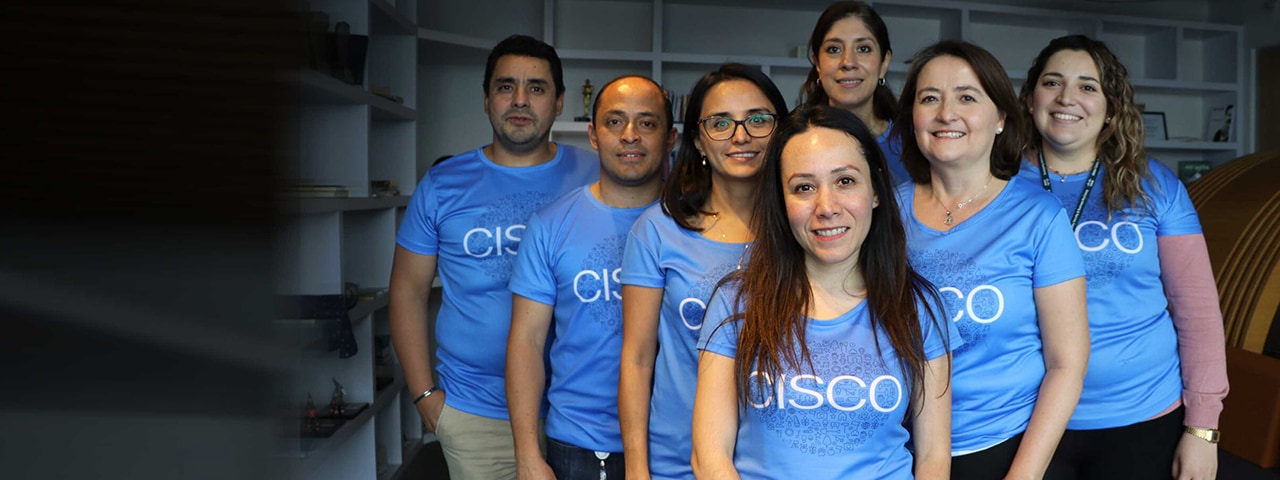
{"points": [[1084, 196]]}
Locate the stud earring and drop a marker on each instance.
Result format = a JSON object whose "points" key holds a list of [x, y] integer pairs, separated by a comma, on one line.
{"points": [[880, 82], [999, 130]]}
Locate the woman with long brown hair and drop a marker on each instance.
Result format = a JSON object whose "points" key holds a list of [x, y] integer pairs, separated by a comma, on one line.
{"points": [[819, 353]]}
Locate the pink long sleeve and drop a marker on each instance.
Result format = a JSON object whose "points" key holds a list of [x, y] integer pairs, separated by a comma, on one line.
{"points": [[1193, 302]]}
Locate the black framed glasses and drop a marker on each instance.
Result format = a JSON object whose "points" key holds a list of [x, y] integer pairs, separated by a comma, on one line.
{"points": [[758, 125]]}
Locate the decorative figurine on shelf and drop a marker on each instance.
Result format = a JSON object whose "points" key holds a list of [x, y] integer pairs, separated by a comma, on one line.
{"points": [[587, 90], [338, 403], [310, 423]]}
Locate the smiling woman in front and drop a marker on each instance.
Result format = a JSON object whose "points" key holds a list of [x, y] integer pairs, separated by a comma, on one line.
{"points": [[827, 344]]}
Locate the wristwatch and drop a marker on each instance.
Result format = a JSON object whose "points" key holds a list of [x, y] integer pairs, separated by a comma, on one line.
{"points": [[1210, 435]]}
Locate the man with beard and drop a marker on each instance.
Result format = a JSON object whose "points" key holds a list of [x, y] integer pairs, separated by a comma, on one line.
{"points": [[466, 220], [566, 278]]}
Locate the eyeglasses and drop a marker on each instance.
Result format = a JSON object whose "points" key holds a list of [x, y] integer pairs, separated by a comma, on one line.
{"points": [[758, 125]]}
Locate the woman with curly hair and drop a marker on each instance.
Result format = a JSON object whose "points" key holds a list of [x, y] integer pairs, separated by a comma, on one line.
{"points": [[1157, 367]]}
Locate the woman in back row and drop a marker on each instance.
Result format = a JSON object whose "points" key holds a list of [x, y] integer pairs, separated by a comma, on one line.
{"points": [[850, 52], [1157, 367]]}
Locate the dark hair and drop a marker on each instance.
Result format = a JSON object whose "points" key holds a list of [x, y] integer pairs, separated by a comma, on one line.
{"points": [[524, 46], [774, 286], [689, 184], [1006, 154], [1120, 141], [666, 99], [883, 102]]}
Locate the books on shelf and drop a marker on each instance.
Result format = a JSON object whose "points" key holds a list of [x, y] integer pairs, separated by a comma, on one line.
{"points": [[1220, 127]]}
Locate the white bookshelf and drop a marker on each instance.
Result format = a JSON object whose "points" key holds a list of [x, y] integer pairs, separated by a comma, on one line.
{"points": [[1180, 68], [350, 137]]}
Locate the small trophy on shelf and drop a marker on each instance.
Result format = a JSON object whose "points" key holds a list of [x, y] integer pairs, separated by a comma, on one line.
{"points": [[587, 90], [338, 402]]}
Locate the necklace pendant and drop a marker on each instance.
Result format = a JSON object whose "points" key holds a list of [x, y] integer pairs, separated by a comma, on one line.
{"points": [[1062, 179], [947, 221]]}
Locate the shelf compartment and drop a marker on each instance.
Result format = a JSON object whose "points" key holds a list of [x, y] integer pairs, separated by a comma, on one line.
{"points": [[578, 25], [750, 31], [484, 19], [387, 19], [306, 258], [993, 31], [1200, 58], [393, 64], [927, 26], [368, 243], [1147, 51], [392, 154]]}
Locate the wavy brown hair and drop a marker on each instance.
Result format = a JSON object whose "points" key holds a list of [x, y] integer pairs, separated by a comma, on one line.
{"points": [[883, 102], [774, 291], [1006, 153], [1120, 143]]}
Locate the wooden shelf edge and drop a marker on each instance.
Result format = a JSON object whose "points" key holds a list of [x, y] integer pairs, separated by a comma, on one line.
{"points": [[313, 205], [455, 39]]}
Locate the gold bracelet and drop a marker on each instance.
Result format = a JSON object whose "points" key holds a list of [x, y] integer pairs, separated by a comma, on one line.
{"points": [[1211, 435]]}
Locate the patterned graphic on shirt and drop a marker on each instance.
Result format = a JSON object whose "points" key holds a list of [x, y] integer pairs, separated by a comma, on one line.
{"points": [[694, 307], [832, 410], [599, 288], [969, 304], [496, 245]]}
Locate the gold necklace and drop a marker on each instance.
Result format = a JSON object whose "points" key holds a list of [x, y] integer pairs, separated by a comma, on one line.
{"points": [[949, 219], [715, 222]]}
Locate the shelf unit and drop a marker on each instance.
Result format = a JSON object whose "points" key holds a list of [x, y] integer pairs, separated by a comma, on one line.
{"points": [[350, 137], [1180, 68]]}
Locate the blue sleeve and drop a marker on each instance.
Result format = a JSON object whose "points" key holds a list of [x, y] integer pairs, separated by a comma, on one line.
{"points": [[640, 266], [417, 232], [1058, 257], [1174, 212], [532, 276], [720, 336]]}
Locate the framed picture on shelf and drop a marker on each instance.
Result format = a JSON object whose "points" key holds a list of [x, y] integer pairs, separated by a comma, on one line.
{"points": [[1219, 126], [1154, 124], [1191, 170]]}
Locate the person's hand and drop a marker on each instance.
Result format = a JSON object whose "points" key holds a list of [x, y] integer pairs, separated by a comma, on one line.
{"points": [[429, 409], [534, 469], [1195, 459]]}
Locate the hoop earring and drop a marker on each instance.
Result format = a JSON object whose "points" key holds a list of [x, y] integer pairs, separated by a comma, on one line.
{"points": [[880, 82]]}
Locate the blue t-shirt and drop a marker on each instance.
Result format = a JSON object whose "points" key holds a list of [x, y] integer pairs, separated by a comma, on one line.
{"points": [[987, 269], [844, 418], [687, 266], [470, 213], [1134, 372], [892, 149], [570, 257]]}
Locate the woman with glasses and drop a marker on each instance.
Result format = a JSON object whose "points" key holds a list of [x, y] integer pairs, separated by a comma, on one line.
{"points": [[826, 353], [1157, 367], [850, 52], [677, 252], [1001, 252]]}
